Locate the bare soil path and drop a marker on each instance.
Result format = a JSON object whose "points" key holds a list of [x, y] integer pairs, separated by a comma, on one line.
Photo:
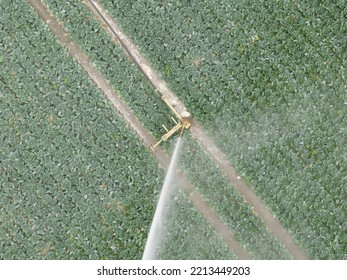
{"points": [[198, 132], [164, 160]]}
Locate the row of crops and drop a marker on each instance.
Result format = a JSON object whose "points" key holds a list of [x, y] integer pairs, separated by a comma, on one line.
{"points": [[247, 228], [76, 183], [67, 180], [110, 59], [268, 81]]}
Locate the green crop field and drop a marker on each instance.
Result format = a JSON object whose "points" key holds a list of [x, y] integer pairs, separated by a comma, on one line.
{"points": [[76, 183], [268, 80], [67, 176], [112, 62], [248, 229], [221, 195]]}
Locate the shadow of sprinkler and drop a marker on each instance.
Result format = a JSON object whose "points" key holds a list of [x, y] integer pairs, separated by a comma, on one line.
{"points": [[182, 122]]}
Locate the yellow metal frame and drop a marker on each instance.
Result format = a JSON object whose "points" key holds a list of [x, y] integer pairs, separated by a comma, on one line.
{"points": [[181, 124]]}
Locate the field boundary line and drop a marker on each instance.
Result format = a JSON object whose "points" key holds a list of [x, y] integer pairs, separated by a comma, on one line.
{"points": [[259, 207], [164, 160]]}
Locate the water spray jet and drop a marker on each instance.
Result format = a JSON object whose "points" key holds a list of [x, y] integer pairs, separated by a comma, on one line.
{"points": [[156, 229]]}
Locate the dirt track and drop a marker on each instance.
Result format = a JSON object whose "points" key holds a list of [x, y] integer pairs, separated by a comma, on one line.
{"points": [[195, 197]]}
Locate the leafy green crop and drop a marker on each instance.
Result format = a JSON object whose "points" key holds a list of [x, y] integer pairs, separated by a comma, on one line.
{"points": [[76, 183], [237, 214], [248, 229], [268, 80], [72, 176], [111, 60]]}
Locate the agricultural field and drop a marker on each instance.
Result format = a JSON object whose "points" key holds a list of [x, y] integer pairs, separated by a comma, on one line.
{"points": [[248, 229], [65, 162], [69, 186], [110, 59], [73, 182], [268, 81]]}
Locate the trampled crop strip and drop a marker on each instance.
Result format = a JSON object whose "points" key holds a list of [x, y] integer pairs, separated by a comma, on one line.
{"points": [[135, 124], [204, 140]]}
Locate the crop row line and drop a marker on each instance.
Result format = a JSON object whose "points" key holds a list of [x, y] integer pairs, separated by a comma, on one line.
{"points": [[198, 132], [195, 197]]}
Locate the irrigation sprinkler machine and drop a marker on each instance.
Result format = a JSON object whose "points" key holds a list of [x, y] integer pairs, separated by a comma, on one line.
{"points": [[183, 121]]}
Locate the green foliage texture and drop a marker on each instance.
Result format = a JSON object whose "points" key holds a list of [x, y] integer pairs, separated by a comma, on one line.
{"points": [[248, 229], [267, 79], [76, 183]]}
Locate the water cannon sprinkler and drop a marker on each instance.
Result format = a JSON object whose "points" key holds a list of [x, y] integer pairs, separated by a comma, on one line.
{"points": [[183, 122]]}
